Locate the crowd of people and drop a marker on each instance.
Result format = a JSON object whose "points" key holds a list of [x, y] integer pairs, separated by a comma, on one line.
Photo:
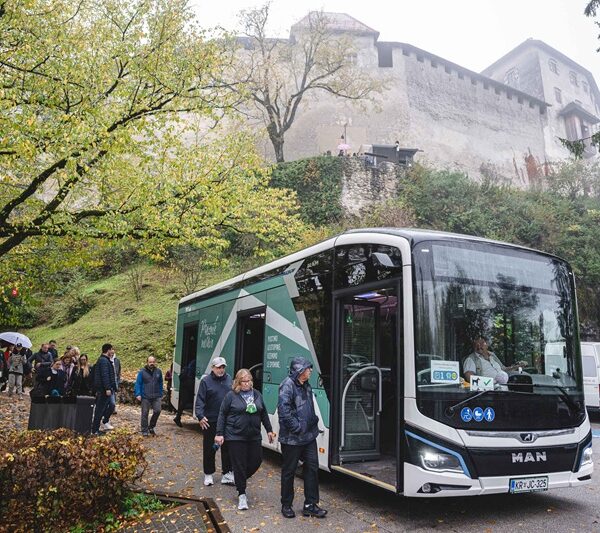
{"points": [[67, 376], [229, 410], [230, 413]]}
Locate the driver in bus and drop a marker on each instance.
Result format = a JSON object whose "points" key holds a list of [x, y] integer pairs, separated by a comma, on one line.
{"points": [[483, 362]]}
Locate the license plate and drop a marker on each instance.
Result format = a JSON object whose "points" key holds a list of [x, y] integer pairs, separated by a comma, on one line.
{"points": [[528, 484]]}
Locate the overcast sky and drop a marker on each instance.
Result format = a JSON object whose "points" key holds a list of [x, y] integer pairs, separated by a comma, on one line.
{"points": [[472, 33]]}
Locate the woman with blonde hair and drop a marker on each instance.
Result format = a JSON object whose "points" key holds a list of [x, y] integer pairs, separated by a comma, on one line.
{"points": [[242, 411], [68, 366], [82, 381]]}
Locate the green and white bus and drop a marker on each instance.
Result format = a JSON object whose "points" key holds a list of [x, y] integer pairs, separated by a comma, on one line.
{"points": [[388, 316]]}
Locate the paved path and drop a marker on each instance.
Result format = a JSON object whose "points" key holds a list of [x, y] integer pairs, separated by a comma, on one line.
{"points": [[175, 464], [175, 458], [183, 519]]}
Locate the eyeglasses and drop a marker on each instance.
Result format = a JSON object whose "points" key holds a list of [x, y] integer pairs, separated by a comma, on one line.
{"points": [[245, 381]]}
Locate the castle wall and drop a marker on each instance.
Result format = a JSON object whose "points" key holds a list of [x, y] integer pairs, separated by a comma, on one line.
{"points": [[458, 121]]}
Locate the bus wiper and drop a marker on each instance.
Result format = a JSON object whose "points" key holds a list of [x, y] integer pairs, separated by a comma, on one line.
{"points": [[564, 396], [450, 410]]}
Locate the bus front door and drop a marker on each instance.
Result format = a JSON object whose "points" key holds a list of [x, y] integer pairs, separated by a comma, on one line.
{"points": [[366, 392], [361, 381]]}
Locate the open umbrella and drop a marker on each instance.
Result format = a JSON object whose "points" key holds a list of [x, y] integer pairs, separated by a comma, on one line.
{"points": [[343, 146], [15, 338]]}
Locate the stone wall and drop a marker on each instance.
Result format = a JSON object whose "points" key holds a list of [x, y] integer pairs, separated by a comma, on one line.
{"points": [[365, 186]]}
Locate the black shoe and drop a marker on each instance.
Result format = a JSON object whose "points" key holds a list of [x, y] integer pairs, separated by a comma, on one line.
{"points": [[178, 421], [152, 432], [288, 512], [314, 510]]}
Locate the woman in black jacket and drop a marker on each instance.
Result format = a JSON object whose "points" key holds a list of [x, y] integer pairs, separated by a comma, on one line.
{"points": [[241, 414], [82, 380]]}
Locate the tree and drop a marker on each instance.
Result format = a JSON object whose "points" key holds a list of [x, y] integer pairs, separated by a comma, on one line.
{"points": [[100, 102], [277, 74]]}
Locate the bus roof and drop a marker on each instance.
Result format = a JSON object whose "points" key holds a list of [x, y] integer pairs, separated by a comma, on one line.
{"points": [[413, 235]]}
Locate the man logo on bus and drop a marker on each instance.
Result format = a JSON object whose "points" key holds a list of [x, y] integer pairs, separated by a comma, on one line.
{"points": [[528, 437], [529, 457]]}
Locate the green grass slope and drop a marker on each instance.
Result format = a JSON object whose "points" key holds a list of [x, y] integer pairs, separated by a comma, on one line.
{"points": [[137, 329]]}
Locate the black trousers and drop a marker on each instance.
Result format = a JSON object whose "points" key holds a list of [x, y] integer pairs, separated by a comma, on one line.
{"points": [[246, 457], [208, 453], [291, 454]]}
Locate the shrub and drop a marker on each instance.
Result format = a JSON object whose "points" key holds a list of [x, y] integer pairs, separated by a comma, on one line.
{"points": [[50, 480], [318, 184]]}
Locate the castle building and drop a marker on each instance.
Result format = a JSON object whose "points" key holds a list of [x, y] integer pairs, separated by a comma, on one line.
{"points": [[503, 123]]}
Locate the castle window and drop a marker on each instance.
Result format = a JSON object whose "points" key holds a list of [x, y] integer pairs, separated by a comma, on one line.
{"points": [[352, 58], [573, 79], [553, 65], [558, 95], [512, 77], [584, 85]]}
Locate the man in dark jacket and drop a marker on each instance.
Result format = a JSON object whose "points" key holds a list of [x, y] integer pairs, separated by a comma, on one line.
{"points": [[42, 358], [50, 381], [149, 391], [298, 430], [211, 392], [105, 385]]}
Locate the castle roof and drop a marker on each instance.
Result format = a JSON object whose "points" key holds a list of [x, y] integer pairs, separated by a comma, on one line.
{"points": [[529, 43], [337, 22]]}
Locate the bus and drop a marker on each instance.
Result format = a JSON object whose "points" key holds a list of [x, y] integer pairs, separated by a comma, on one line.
{"points": [[387, 317]]}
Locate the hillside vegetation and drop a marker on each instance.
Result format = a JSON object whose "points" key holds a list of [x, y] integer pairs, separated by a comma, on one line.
{"points": [[136, 328]]}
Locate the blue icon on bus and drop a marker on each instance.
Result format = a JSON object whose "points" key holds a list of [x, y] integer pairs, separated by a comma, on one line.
{"points": [[466, 414], [478, 414], [489, 414]]}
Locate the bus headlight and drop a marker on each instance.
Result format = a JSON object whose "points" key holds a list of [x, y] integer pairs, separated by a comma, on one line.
{"points": [[587, 456], [440, 462]]}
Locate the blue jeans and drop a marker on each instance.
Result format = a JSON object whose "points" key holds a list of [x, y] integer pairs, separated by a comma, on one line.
{"points": [[110, 409], [103, 403]]}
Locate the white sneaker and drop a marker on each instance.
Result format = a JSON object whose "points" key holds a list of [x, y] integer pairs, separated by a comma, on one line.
{"points": [[228, 479], [107, 426], [242, 502], [208, 480]]}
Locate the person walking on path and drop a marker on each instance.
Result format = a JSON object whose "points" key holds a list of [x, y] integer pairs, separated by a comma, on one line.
{"points": [[149, 391], [105, 385], [240, 416], [211, 392], [298, 430], [187, 382], [112, 410], [16, 363]]}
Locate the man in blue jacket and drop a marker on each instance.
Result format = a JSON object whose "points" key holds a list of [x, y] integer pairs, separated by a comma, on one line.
{"points": [[149, 391], [105, 385], [298, 430], [211, 392]]}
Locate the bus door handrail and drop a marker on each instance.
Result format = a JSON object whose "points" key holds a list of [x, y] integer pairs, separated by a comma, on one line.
{"points": [[380, 401]]}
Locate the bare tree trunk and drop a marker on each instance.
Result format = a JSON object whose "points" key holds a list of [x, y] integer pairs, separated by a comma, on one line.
{"points": [[277, 140], [278, 146]]}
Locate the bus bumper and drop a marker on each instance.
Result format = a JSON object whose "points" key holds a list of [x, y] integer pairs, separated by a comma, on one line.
{"points": [[446, 485]]}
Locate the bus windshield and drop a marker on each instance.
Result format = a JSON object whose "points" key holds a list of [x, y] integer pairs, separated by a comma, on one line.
{"points": [[501, 321]]}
